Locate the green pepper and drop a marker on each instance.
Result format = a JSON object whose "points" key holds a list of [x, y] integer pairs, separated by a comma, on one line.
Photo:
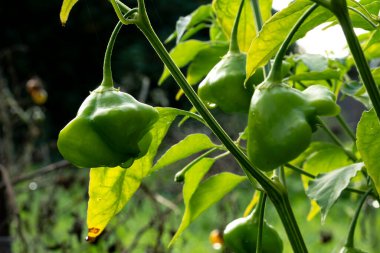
{"points": [[240, 236], [281, 121], [224, 87], [108, 130], [111, 128]]}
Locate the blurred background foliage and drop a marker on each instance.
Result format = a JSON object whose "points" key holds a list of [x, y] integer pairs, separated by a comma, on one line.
{"points": [[47, 205]]}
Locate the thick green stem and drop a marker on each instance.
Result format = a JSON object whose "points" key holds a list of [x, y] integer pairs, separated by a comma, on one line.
{"points": [[234, 45], [275, 75], [261, 209], [275, 191], [351, 232], [107, 81]]}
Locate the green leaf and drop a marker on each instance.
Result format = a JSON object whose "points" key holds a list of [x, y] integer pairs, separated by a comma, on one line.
{"points": [[203, 13], [275, 30], [266, 9], [110, 189], [314, 62], [192, 144], [328, 157], [314, 75], [368, 143], [182, 54], [372, 7], [204, 61], [326, 188], [226, 11], [199, 198], [376, 75], [357, 91], [66, 7]]}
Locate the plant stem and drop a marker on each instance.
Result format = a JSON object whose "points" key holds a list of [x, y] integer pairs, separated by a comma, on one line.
{"points": [[339, 8], [107, 81], [234, 45], [346, 127], [336, 140], [276, 192], [261, 209], [350, 237], [275, 75], [180, 175]]}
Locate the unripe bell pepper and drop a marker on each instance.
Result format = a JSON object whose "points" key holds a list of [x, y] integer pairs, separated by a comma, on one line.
{"points": [[240, 236], [111, 128], [223, 87], [281, 121]]}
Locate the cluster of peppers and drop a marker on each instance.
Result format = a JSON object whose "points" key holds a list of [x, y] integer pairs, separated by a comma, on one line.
{"points": [[112, 128]]}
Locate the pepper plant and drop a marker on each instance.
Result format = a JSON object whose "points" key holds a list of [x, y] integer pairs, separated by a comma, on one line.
{"points": [[242, 68]]}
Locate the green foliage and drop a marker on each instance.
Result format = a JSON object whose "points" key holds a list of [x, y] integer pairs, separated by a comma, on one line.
{"points": [[368, 144], [283, 112], [327, 187]]}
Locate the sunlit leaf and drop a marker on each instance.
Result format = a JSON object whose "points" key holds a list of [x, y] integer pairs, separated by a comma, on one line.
{"points": [[275, 30], [226, 11], [66, 7], [326, 188], [183, 54], [110, 189], [368, 142], [198, 198], [192, 144]]}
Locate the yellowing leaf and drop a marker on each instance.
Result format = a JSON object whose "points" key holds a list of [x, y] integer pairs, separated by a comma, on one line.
{"points": [[110, 189], [275, 30], [314, 210], [252, 204], [66, 7], [226, 11]]}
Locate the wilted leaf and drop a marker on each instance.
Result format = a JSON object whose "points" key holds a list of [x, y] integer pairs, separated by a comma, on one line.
{"points": [[326, 188], [110, 189], [368, 142], [192, 144]]}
